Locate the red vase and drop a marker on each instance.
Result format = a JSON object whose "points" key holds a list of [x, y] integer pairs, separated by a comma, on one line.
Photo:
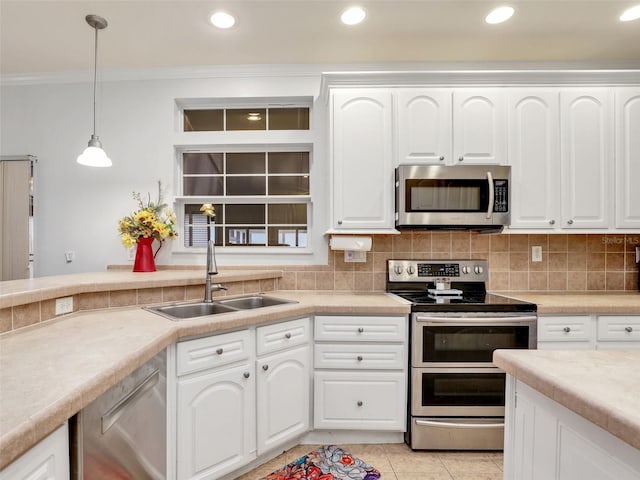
{"points": [[144, 261]]}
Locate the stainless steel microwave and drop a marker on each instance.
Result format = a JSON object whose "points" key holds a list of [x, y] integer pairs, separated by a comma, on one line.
{"points": [[474, 197]]}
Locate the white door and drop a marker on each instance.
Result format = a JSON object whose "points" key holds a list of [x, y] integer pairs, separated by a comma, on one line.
{"points": [[362, 159], [586, 139], [627, 157], [479, 126], [534, 155], [424, 126], [283, 385], [216, 422]]}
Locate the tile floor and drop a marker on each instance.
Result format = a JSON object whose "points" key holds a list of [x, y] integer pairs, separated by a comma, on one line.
{"points": [[399, 462]]}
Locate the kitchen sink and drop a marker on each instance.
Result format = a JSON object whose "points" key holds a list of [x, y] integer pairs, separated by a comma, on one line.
{"points": [[254, 301], [185, 311]]}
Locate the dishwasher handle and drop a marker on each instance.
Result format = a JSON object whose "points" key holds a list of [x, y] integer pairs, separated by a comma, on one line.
{"points": [[115, 412]]}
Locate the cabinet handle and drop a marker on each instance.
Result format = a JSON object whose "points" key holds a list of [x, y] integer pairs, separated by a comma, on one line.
{"points": [[570, 222], [628, 329], [552, 222], [246, 374], [442, 158], [460, 159], [359, 403], [360, 329], [265, 367], [339, 222], [219, 351], [287, 335], [359, 357], [566, 329]]}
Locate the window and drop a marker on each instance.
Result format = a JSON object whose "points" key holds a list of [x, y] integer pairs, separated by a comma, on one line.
{"points": [[233, 119], [261, 197]]}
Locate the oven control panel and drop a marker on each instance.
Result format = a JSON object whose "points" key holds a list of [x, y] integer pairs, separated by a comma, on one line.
{"points": [[430, 270]]}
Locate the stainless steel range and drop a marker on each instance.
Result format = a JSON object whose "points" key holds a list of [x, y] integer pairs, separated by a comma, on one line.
{"points": [[456, 393]]}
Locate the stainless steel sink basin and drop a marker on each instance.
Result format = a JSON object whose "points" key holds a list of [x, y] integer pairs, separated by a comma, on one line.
{"points": [[185, 311], [190, 310], [254, 301]]}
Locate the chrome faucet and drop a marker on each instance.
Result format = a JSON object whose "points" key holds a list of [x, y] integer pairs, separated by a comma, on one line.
{"points": [[212, 269]]}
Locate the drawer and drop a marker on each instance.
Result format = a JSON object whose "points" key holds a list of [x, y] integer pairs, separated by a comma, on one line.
{"points": [[356, 356], [360, 400], [345, 328], [214, 351], [570, 328], [280, 336], [619, 328]]}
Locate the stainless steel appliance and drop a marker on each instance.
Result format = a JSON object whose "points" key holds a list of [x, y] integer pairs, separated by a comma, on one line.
{"points": [[123, 433], [467, 196], [456, 393]]}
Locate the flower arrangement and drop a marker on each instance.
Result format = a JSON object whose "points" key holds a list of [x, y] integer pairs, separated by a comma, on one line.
{"points": [[151, 220]]}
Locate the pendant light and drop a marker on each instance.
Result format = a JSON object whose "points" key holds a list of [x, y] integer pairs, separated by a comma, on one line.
{"points": [[94, 155]]}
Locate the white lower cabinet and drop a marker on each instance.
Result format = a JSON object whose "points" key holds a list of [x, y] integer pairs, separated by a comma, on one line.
{"points": [[580, 332], [47, 460], [360, 376], [233, 404], [546, 441]]}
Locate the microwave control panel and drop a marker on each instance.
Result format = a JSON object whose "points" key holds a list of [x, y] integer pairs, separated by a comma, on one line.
{"points": [[501, 199]]}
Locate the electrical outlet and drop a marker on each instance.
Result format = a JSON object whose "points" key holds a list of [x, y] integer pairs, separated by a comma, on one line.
{"points": [[64, 305], [355, 256], [536, 253], [69, 256]]}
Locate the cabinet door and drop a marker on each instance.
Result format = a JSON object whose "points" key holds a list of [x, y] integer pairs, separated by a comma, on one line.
{"points": [[568, 332], [362, 159], [360, 400], [424, 126], [586, 123], [284, 385], [627, 157], [479, 126], [216, 422], [47, 460], [534, 155]]}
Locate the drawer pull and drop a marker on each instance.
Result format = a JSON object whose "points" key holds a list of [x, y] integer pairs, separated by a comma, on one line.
{"points": [[246, 374], [359, 358], [566, 329], [265, 367], [360, 329], [359, 403], [628, 329], [219, 351], [287, 335]]}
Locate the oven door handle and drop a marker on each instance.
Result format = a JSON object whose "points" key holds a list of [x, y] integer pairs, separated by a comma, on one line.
{"points": [[459, 425], [492, 195], [476, 320]]}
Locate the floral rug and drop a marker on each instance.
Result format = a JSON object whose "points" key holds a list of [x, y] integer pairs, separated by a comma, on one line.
{"points": [[326, 463]]}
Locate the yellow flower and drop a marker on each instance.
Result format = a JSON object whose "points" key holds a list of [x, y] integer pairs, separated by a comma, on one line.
{"points": [[208, 209], [127, 240]]}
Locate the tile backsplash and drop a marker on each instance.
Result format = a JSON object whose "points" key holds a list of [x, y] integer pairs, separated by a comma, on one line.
{"points": [[570, 262]]}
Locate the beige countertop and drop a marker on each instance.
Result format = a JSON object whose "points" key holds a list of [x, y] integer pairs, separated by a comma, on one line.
{"points": [[581, 302], [602, 386], [50, 371]]}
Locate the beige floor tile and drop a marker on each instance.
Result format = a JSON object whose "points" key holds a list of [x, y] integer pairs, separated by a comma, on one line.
{"points": [[470, 466], [479, 476], [423, 476], [397, 448], [416, 463]]}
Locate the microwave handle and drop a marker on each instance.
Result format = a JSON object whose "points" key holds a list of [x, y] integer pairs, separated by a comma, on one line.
{"points": [[492, 195]]}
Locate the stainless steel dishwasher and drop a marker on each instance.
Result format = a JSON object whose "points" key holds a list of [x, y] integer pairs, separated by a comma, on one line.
{"points": [[123, 433]]}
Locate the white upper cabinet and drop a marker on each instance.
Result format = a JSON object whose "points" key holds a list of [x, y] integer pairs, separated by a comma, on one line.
{"points": [[534, 155], [362, 160], [586, 123], [479, 126], [627, 147], [424, 126]]}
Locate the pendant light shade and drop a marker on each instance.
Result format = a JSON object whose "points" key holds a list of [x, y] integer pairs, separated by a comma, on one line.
{"points": [[94, 155]]}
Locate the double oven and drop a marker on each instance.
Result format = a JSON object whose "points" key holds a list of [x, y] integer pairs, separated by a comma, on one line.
{"points": [[457, 395]]}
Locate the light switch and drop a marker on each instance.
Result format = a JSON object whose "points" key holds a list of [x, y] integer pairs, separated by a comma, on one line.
{"points": [[64, 305]]}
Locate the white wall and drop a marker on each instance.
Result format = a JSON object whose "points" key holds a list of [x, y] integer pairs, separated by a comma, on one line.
{"points": [[77, 208]]}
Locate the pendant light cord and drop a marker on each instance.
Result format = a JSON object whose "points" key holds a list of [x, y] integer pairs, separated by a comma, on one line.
{"points": [[95, 70]]}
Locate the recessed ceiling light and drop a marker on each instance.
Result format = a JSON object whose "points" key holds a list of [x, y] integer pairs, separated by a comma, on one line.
{"points": [[499, 15], [222, 20], [629, 14], [353, 15]]}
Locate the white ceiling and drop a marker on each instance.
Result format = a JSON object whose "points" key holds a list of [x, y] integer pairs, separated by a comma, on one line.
{"points": [[52, 36]]}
